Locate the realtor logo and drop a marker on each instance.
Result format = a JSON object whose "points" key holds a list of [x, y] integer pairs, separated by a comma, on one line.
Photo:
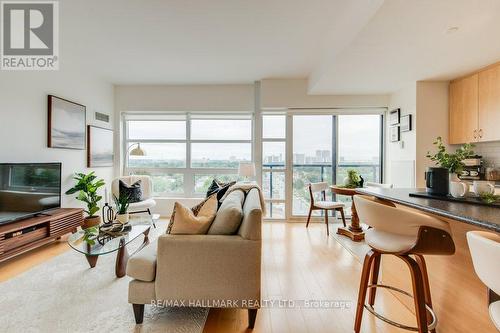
{"points": [[29, 35]]}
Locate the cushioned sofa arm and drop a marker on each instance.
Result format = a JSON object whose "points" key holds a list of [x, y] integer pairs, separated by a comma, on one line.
{"points": [[142, 265], [187, 264]]}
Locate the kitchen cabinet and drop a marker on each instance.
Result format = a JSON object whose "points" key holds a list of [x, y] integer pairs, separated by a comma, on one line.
{"points": [[464, 110], [474, 107], [489, 104]]}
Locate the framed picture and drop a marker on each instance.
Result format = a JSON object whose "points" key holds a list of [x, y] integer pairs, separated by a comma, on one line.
{"points": [[66, 124], [100, 152], [394, 117], [406, 123], [394, 133]]}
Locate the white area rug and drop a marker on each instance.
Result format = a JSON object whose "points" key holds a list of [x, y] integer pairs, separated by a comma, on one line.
{"points": [[65, 295]]}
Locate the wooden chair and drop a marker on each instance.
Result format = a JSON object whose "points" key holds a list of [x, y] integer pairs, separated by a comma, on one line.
{"points": [[323, 204]]}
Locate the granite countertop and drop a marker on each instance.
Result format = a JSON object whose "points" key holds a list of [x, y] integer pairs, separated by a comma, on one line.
{"points": [[477, 215]]}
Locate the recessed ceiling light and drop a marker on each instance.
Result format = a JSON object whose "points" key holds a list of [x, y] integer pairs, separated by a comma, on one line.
{"points": [[451, 30]]}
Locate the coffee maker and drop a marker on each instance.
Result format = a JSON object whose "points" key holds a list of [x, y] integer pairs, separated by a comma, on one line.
{"points": [[473, 168]]}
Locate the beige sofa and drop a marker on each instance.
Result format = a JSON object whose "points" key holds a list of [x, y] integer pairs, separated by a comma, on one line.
{"points": [[214, 271]]}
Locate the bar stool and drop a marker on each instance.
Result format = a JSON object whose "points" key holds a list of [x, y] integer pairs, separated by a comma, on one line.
{"points": [[485, 251], [400, 232]]}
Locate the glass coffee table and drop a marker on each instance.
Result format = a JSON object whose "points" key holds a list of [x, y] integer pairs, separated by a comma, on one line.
{"points": [[140, 225]]}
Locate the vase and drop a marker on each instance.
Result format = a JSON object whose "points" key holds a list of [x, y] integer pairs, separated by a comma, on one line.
{"points": [[123, 218], [437, 181], [91, 221]]}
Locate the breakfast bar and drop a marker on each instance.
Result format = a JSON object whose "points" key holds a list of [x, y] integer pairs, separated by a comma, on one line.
{"points": [[460, 299]]}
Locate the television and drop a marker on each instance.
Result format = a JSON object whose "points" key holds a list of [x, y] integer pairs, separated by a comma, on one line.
{"points": [[28, 189]]}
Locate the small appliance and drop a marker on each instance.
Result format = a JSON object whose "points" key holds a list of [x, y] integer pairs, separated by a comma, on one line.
{"points": [[473, 169]]}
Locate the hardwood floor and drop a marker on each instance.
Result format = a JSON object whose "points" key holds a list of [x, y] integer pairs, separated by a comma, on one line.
{"points": [[298, 265]]}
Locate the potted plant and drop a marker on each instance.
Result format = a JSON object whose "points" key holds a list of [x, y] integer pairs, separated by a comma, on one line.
{"points": [[87, 186], [353, 179], [122, 203], [453, 162]]}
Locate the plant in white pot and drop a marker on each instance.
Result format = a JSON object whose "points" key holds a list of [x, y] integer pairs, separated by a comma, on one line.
{"points": [[122, 203], [87, 186], [451, 161]]}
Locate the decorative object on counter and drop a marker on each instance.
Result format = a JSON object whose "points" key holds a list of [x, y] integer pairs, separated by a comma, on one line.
{"points": [[406, 123], [394, 117], [100, 152], [458, 189], [451, 161], [490, 198], [122, 203], [481, 187], [394, 133], [66, 124], [353, 179], [87, 186], [492, 173], [437, 181]]}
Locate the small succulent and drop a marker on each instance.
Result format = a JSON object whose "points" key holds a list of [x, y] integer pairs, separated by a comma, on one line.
{"points": [[90, 235], [122, 203]]}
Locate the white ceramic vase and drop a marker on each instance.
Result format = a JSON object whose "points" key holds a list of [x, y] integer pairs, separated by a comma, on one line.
{"points": [[123, 218]]}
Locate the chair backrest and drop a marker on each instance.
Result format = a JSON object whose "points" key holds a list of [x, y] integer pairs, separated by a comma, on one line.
{"points": [[318, 187], [380, 185], [485, 251], [394, 219], [146, 185]]}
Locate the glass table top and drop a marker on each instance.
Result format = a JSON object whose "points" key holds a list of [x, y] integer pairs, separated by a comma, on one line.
{"points": [[139, 223]]}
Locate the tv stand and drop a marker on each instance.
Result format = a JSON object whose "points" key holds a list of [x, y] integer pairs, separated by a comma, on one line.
{"points": [[24, 235]]}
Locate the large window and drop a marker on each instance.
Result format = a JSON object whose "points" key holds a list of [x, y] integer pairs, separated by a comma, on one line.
{"points": [[184, 152]]}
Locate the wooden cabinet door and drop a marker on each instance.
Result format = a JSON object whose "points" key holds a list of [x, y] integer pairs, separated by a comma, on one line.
{"points": [[489, 104], [464, 110]]}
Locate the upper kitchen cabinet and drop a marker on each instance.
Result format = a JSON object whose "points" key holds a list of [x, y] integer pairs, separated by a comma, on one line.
{"points": [[489, 104], [464, 110], [475, 107]]}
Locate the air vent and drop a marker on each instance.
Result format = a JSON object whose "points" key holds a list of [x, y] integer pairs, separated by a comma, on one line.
{"points": [[102, 117]]}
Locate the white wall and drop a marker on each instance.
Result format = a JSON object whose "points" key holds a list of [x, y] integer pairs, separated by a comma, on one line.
{"points": [[23, 118], [405, 150]]}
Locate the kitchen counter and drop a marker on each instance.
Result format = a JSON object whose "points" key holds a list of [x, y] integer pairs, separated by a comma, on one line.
{"points": [[476, 215]]}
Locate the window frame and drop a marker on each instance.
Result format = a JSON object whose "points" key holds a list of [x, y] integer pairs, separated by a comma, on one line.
{"points": [[188, 172]]}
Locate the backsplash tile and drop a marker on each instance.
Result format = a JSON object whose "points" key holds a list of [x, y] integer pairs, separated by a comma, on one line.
{"points": [[490, 152]]}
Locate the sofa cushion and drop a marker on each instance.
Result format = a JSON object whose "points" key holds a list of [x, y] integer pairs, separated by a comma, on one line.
{"points": [[193, 221], [142, 265], [133, 191], [220, 188], [228, 218]]}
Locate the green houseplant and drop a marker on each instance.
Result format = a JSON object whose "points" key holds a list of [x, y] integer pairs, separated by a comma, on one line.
{"points": [[353, 179], [86, 186], [122, 203], [451, 161]]}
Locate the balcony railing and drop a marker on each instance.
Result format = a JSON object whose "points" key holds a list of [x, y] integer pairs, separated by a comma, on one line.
{"points": [[325, 172]]}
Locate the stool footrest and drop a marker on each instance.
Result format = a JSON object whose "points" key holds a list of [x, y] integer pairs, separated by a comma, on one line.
{"points": [[370, 309]]}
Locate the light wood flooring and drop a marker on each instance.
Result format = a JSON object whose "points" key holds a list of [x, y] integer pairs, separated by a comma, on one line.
{"points": [[298, 265]]}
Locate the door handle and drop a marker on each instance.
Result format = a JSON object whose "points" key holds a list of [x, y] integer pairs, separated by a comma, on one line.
{"points": [[481, 133], [474, 134]]}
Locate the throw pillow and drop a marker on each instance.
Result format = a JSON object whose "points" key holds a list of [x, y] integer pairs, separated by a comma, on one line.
{"points": [[134, 191], [193, 221], [220, 188], [229, 215]]}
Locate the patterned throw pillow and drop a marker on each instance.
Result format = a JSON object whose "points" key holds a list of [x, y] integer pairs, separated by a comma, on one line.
{"points": [[220, 188], [134, 191], [195, 220]]}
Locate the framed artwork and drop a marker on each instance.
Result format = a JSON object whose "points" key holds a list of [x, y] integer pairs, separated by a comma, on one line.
{"points": [[394, 133], [66, 124], [394, 117], [100, 152], [406, 123]]}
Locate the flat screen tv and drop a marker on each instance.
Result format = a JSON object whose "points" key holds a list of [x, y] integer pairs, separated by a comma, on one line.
{"points": [[28, 189]]}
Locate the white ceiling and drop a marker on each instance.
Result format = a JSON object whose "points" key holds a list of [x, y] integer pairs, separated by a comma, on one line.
{"points": [[343, 46]]}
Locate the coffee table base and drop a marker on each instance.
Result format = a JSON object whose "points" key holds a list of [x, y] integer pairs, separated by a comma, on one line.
{"points": [[356, 236], [122, 256]]}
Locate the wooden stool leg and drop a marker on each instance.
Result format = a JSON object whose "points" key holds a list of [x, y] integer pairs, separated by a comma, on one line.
{"points": [[326, 222], [343, 216], [374, 279], [428, 300], [363, 285], [309, 216], [418, 293]]}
